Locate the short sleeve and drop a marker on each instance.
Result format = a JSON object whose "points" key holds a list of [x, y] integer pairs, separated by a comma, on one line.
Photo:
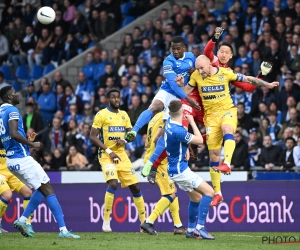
{"points": [[232, 76], [167, 67], [13, 114], [98, 121], [193, 82], [183, 135], [128, 123]]}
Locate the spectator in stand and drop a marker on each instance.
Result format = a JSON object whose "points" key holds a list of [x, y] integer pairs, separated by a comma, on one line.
{"points": [[71, 47], [124, 67], [68, 99], [288, 90], [293, 118], [59, 160], [265, 123], [32, 119], [109, 73], [59, 21], [58, 79], [127, 46], [149, 30], [286, 159], [202, 159], [254, 140], [28, 15], [296, 154], [242, 57], [104, 26], [99, 69], [47, 104], [73, 114], [59, 94], [116, 60], [137, 42], [146, 53], [76, 160], [84, 144], [164, 17], [85, 90], [211, 8], [244, 120], [30, 92], [55, 137], [269, 154], [72, 131], [47, 163], [4, 48], [240, 153], [88, 115], [88, 69], [288, 132], [69, 11], [78, 26], [135, 109], [273, 108], [296, 131], [274, 128]]}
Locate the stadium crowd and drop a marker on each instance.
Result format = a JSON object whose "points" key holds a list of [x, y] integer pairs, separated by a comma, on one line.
{"points": [[268, 131]]}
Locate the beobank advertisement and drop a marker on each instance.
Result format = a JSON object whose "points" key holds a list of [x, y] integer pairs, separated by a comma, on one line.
{"points": [[270, 206]]}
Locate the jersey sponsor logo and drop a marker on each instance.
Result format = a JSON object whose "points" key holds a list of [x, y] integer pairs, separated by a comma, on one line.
{"points": [[167, 68], [110, 166], [212, 97], [208, 89], [187, 108], [114, 138], [208, 130], [10, 153], [221, 78], [7, 138], [178, 64], [113, 129], [188, 137], [14, 115]]}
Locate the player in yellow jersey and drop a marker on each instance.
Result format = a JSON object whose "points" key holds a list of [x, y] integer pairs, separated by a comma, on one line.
{"points": [[111, 125], [8, 184], [220, 117], [166, 185]]}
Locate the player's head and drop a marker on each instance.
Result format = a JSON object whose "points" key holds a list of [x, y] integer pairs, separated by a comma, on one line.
{"points": [[9, 95], [203, 65], [225, 53], [114, 98], [175, 109], [178, 46]]}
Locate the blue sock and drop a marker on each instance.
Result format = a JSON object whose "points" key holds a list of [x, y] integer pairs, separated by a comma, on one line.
{"points": [[193, 210], [143, 119], [203, 209], [56, 210], [160, 147], [34, 202]]}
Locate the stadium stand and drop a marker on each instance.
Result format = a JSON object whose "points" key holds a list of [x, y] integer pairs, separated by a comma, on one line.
{"points": [[130, 59]]}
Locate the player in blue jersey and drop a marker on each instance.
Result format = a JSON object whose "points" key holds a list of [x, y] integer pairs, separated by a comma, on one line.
{"points": [[23, 166], [178, 63], [177, 139]]}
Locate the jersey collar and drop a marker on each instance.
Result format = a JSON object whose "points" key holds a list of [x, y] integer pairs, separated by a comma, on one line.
{"points": [[173, 122], [182, 57], [111, 110], [6, 104]]}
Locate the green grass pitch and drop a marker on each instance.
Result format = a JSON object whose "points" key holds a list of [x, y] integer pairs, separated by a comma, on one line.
{"points": [[134, 241]]}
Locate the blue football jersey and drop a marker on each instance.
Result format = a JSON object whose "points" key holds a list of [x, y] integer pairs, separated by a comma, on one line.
{"points": [[175, 67], [176, 143], [13, 148]]}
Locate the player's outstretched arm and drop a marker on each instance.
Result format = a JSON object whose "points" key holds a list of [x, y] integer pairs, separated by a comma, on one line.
{"points": [[260, 83], [208, 50], [14, 134]]}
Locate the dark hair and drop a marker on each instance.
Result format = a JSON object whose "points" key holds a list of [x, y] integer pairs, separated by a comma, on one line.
{"points": [[174, 106], [290, 138], [4, 91], [241, 103], [272, 113], [226, 44], [178, 39], [108, 93]]}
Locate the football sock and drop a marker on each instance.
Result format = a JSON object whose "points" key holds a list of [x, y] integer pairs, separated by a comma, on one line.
{"points": [[215, 176], [32, 205], [203, 209], [25, 203], [138, 200], [143, 119], [160, 207], [3, 206], [160, 159], [174, 209], [57, 212], [108, 203], [229, 146], [159, 149], [193, 210]]}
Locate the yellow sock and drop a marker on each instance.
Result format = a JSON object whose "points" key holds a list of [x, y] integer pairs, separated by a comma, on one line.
{"points": [[3, 206], [174, 209], [108, 203], [216, 180], [160, 207], [140, 205], [229, 146], [25, 203]]}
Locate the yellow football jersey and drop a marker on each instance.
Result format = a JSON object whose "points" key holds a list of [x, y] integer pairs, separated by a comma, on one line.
{"points": [[153, 126], [112, 127], [215, 90], [3, 166]]}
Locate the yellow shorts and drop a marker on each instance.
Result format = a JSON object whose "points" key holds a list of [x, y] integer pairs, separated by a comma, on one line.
{"points": [[9, 182], [165, 184], [122, 171], [213, 123]]}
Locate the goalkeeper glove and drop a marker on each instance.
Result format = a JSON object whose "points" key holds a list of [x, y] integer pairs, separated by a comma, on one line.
{"points": [[265, 68], [217, 35]]}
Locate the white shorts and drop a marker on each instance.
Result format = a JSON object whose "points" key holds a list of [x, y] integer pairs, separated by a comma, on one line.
{"points": [[28, 170], [187, 180], [165, 98]]}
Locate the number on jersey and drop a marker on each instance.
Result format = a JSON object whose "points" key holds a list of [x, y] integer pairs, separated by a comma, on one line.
{"points": [[2, 128]]}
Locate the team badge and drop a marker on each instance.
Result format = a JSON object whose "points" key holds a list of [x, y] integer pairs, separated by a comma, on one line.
{"points": [[110, 118], [221, 78], [178, 64], [123, 117]]}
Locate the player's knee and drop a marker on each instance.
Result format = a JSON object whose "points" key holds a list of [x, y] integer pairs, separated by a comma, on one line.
{"points": [[135, 188], [25, 191], [46, 189], [156, 106], [113, 184], [7, 195]]}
